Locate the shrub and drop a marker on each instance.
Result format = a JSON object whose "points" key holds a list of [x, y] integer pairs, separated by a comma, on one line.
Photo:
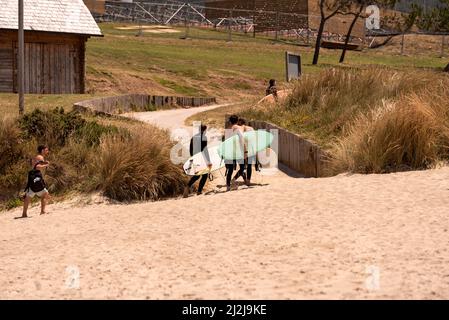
{"points": [[91, 132], [52, 127], [13, 180], [137, 167], [411, 133], [372, 120], [321, 105], [10, 143]]}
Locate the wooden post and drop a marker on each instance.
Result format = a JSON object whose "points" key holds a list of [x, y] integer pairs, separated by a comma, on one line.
{"points": [[277, 26], [442, 45], [402, 44], [21, 60], [186, 23], [230, 26], [254, 24]]}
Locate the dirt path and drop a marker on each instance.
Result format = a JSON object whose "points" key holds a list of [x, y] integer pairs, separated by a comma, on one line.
{"points": [[350, 237], [170, 119]]}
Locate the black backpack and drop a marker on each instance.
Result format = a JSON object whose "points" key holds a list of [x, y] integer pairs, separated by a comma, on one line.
{"points": [[35, 181]]}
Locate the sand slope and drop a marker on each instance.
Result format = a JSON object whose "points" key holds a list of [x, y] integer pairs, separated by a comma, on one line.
{"points": [[376, 236], [296, 238]]}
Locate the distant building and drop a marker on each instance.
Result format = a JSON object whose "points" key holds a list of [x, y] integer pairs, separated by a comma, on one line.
{"points": [[56, 32], [307, 9], [96, 7]]}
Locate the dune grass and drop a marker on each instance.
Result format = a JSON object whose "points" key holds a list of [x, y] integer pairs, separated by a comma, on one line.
{"points": [[124, 160], [370, 120], [411, 132]]}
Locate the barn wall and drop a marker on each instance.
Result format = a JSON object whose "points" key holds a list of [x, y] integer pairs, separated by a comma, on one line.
{"points": [[54, 63], [6, 66]]}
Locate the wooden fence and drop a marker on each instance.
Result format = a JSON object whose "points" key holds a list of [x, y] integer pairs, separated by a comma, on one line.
{"points": [[137, 102], [299, 154]]}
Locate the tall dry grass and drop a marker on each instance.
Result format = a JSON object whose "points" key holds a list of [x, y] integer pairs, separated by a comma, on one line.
{"points": [[124, 163], [14, 158], [322, 104], [137, 167], [370, 120], [10, 142], [410, 133]]}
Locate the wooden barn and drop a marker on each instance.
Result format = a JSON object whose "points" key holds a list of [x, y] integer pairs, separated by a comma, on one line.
{"points": [[56, 32]]}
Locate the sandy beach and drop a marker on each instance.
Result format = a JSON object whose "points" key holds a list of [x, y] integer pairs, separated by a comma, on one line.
{"points": [[345, 237]]}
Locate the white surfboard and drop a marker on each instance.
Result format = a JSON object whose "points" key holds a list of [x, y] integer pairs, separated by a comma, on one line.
{"points": [[269, 162], [197, 164]]}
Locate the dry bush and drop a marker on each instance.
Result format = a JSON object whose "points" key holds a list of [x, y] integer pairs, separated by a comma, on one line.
{"points": [[10, 143], [137, 167], [370, 120], [321, 105], [410, 133]]}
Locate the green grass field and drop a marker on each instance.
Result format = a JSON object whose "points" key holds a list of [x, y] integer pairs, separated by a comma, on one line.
{"points": [[206, 65]]}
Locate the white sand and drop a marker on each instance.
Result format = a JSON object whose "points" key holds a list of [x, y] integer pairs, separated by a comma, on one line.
{"points": [[291, 239]]}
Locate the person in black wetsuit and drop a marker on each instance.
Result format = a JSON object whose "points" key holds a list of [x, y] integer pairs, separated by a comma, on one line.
{"points": [[198, 144], [272, 89]]}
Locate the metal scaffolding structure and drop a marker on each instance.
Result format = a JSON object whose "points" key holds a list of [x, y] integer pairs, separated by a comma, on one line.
{"points": [[274, 25], [154, 12]]}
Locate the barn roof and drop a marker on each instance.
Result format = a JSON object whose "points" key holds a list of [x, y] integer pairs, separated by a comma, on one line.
{"points": [[64, 16]]}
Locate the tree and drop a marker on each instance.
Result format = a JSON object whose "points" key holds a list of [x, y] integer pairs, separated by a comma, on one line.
{"points": [[360, 6], [328, 9], [357, 8], [436, 20], [397, 23]]}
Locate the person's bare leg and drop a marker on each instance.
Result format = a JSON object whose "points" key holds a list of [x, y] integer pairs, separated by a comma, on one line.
{"points": [[26, 204], [44, 203]]}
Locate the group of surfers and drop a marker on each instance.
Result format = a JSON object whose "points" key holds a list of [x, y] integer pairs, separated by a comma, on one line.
{"points": [[198, 143]]}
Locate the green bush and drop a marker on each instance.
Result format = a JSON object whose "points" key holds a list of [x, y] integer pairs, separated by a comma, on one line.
{"points": [[51, 128], [91, 132]]}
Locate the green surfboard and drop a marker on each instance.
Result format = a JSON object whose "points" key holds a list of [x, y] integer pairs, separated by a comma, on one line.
{"points": [[254, 141]]}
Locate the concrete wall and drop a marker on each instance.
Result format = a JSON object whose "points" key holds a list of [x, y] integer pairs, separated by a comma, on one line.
{"points": [[299, 154]]}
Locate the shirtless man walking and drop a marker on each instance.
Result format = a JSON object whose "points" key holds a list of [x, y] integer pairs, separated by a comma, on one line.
{"points": [[231, 165], [37, 163], [246, 167]]}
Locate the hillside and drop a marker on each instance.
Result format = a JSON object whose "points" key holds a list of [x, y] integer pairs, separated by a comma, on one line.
{"points": [[160, 62]]}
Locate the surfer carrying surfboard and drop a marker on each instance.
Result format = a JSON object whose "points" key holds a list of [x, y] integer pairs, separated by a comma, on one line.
{"points": [[246, 168], [198, 144], [231, 165]]}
